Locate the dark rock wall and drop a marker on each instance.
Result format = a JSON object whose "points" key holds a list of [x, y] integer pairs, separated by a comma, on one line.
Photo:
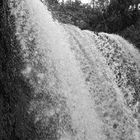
{"points": [[15, 122]]}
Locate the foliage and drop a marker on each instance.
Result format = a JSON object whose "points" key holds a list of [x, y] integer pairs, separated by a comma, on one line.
{"points": [[123, 20]]}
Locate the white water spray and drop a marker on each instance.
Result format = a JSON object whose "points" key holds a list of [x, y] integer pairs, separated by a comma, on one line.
{"points": [[52, 43]]}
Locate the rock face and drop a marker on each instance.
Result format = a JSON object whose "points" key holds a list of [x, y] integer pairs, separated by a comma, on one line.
{"points": [[60, 83]]}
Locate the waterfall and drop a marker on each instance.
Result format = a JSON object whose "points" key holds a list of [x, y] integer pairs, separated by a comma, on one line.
{"points": [[62, 83]]}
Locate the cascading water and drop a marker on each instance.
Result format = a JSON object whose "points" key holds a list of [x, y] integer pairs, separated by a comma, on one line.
{"points": [[61, 83]]}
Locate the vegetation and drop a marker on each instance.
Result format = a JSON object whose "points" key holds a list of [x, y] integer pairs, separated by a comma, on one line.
{"points": [[117, 16]]}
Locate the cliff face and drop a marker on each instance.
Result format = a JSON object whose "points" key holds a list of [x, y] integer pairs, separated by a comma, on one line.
{"points": [[15, 92], [60, 83]]}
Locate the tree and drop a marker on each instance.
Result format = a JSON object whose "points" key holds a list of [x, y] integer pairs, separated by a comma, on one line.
{"points": [[119, 16], [100, 4]]}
